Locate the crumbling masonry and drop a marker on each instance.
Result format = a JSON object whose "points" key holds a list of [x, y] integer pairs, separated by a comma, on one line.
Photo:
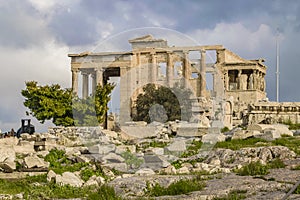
{"points": [[237, 81]]}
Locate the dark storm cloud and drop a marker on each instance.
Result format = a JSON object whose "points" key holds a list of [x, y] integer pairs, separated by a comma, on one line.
{"points": [[37, 35], [20, 26]]}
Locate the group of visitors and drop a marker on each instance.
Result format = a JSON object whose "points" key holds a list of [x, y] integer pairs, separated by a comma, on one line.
{"points": [[10, 133]]}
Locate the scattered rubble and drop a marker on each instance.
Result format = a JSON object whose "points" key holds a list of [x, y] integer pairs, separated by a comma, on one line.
{"points": [[130, 164]]}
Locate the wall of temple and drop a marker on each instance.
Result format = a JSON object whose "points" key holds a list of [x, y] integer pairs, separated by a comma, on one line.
{"points": [[153, 61]]}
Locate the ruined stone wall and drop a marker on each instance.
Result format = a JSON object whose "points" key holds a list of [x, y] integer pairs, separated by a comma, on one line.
{"points": [[273, 112]]}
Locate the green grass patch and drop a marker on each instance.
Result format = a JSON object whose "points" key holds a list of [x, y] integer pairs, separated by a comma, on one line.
{"points": [[37, 187], [292, 143], [183, 186], [291, 125], [238, 144], [87, 173], [59, 162], [256, 168], [225, 129], [177, 164], [276, 164], [193, 149], [233, 195], [253, 169], [297, 191]]}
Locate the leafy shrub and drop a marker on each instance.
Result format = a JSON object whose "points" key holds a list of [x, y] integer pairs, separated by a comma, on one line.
{"points": [[253, 169], [225, 129], [183, 186], [177, 164]]}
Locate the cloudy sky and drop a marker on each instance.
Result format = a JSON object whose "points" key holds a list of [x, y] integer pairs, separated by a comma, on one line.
{"points": [[37, 35]]}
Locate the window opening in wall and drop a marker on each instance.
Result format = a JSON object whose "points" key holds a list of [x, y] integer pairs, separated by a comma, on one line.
{"points": [[178, 69], [209, 81], [211, 56], [195, 75], [162, 70]]}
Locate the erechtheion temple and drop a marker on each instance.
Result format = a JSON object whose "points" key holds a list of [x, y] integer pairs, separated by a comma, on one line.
{"points": [[239, 83]]}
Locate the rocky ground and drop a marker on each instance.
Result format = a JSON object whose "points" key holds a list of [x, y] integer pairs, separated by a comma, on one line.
{"points": [[260, 162]]}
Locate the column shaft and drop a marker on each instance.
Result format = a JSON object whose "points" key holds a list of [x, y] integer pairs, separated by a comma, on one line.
{"points": [[75, 81], [94, 82], [99, 77], [186, 68], [170, 70], [202, 74], [85, 85], [154, 68]]}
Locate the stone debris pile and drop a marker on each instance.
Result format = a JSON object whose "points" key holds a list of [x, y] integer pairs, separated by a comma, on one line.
{"points": [[123, 157]]}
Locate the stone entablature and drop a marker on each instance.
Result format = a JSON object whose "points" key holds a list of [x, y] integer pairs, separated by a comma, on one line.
{"points": [[153, 61], [274, 112]]}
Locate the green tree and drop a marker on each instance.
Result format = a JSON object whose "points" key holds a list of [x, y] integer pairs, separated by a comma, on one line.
{"points": [[159, 103], [63, 108]]}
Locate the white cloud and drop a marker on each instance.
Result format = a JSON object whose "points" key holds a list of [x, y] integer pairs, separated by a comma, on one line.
{"points": [[46, 64], [236, 37], [43, 5], [104, 28]]}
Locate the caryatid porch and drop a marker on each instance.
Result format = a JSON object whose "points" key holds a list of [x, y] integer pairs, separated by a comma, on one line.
{"points": [[153, 61]]}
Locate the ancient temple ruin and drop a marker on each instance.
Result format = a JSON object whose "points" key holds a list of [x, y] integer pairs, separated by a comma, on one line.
{"points": [[237, 82]]}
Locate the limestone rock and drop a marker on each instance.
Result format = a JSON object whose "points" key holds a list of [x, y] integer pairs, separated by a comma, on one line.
{"points": [[8, 166], [177, 146], [112, 158], [269, 134], [51, 176], [102, 149], [24, 147], [123, 148], [10, 141], [145, 171], [7, 158], [212, 138], [168, 170], [122, 167], [35, 161], [82, 158], [92, 181], [243, 134], [156, 150], [42, 153], [69, 178], [183, 170], [154, 162]]}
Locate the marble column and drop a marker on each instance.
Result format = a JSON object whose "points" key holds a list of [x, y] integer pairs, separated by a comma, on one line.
{"points": [[94, 82], [85, 85], [186, 68], [170, 70], [203, 74], [226, 80], [153, 68], [125, 95], [99, 76], [75, 81]]}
